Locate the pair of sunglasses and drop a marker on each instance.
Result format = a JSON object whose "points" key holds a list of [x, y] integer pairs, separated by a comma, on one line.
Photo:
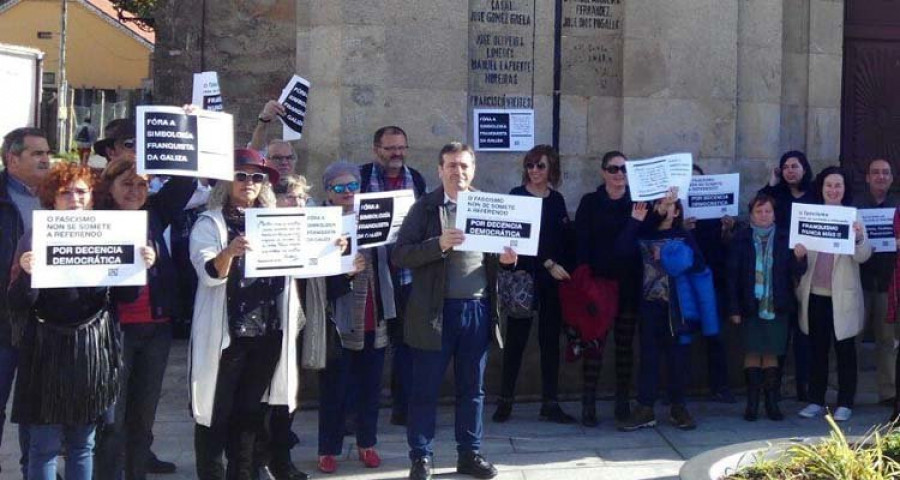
{"points": [[345, 187], [254, 177], [614, 169], [532, 166]]}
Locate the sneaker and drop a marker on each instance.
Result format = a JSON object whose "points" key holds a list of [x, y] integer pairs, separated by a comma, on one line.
{"points": [[842, 414], [420, 469], [681, 418], [504, 410], [812, 411], [551, 412], [369, 457], [473, 464], [327, 463], [641, 417]]}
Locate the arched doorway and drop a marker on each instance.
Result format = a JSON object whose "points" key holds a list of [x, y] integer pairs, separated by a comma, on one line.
{"points": [[870, 103]]}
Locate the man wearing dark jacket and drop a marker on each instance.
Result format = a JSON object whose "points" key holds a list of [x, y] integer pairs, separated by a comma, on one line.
{"points": [[26, 158], [451, 314], [387, 173]]}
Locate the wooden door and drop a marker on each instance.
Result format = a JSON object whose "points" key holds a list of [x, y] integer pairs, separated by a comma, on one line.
{"points": [[870, 104]]}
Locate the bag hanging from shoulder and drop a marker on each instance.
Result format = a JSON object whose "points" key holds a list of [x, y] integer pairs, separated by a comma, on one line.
{"points": [[516, 291], [589, 304]]}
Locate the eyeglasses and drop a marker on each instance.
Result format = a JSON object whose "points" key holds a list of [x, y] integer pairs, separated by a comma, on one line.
{"points": [[281, 158], [128, 143], [254, 177], [75, 192], [532, 166], [397, 149], [614, 169], [345, 187]]}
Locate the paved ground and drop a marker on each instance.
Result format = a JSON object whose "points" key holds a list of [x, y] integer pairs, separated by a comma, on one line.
{"points": [[523, 449]]}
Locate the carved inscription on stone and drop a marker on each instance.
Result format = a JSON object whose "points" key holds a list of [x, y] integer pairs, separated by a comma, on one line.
{"points": [[592, 47], [501, 53]]}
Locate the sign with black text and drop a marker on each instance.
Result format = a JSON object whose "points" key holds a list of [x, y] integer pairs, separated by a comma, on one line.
{"points": [[299, 242], [379, 216], [879, 224], [651, 178], [504, 130], [713, 196], [293, 98], [88, 248], [823, 228], [207, 94], [492, 221], [172, 142]]}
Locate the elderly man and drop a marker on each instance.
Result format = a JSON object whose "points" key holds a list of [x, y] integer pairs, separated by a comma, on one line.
{"points": [[279, 153], [389, 172], [26, 158], [452, 314], [876, 276]]}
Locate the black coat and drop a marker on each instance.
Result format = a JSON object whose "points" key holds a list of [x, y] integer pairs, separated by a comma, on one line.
{"points": [[741, 269], [11, 229]]}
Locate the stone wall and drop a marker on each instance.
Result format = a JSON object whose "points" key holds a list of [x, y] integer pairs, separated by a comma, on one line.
{"points": [[734, 82]]}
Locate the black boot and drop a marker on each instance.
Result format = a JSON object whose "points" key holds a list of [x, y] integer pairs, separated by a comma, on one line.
{"points": [[589, 412], [753, 377], [504, 410], [771, 385]]}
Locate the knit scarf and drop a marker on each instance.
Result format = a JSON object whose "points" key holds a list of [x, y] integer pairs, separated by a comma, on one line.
{"points": [[763, 240]]}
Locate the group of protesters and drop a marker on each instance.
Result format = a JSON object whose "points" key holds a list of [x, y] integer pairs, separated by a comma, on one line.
{"points": [[91, 361]]}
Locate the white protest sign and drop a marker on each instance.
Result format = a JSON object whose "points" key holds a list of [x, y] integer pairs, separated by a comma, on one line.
{"points": [[379, 216], [88, 248], [349, 232], [491, 221], [651, 178], [713, 196], [207, 94], [500, 130], [171, 142], [879, 224], [823, 228], [293, 98], [300, 242]]}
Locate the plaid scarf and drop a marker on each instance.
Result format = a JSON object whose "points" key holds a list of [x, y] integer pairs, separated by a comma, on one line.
{"points": [[378, 183]]}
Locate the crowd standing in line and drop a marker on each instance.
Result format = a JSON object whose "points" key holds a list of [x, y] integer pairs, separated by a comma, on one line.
{"points": [[419, 300]]}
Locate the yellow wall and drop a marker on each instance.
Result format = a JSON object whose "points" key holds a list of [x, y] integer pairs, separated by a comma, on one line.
{"points": [[98, 54]]}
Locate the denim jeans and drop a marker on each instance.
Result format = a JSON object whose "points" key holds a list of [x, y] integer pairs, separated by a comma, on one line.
{"points": [[465, 338], [657, 340], [125, 442], [363, 369], [46, 445]]}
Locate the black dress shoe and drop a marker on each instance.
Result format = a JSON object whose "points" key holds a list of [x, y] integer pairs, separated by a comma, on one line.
{"points": [[421, 469], [159, 467], [286, 471], [472, 463], [504, 410], [551, 412]]}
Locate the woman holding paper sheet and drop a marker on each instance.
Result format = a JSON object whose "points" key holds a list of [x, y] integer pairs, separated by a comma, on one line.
{"points": [[357, 363], [540, 177], [831, 304], [145, 322], [70, 356], [243, 331], [791, 182]]}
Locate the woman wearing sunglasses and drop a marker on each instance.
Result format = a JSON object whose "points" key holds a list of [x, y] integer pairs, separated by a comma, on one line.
{"points": [[540, 178], [242, 327], [601, 217], [356, 364], [70, 357]]}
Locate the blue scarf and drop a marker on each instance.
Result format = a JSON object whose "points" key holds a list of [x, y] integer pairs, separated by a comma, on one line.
{"points": [[763, 240]]}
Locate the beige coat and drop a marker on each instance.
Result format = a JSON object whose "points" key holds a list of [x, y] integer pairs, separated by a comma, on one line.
{"points": [[846, 291]]}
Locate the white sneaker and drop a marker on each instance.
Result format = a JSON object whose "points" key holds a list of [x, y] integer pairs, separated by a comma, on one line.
{"points": [[842, 414], [812, 411]]}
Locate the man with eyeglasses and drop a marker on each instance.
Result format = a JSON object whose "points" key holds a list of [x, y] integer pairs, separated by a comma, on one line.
{"points": [[118, 141], [278, 152], [389, 172], [452, 316], [26, 158], [876, 275]]}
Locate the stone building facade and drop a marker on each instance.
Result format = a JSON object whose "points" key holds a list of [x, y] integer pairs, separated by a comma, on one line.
{"points": [[734, 82]]}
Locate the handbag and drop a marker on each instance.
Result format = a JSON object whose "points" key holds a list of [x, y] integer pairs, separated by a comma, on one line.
{"points": [[589, 304], [516, 290]]}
